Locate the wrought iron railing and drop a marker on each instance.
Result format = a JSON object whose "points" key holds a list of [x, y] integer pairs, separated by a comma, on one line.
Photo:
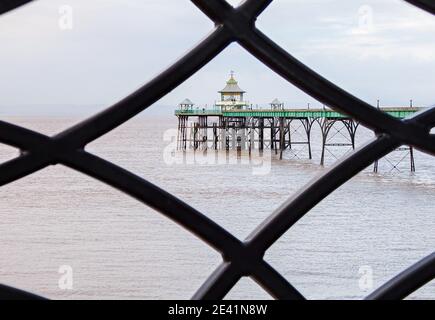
{"points": [[240, 257], [316, 113]]}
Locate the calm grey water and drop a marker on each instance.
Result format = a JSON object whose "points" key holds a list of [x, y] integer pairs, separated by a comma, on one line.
{"points": [[118, 248]]}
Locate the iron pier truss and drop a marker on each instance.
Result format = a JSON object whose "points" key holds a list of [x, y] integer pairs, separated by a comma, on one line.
{"points": [[259, 129]]}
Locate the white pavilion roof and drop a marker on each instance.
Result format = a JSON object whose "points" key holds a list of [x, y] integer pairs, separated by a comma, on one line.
{"points": [[186, 102], [232, 86]]}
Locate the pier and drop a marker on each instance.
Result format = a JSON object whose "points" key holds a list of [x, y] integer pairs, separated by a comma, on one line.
{"points": [[234, 124]]}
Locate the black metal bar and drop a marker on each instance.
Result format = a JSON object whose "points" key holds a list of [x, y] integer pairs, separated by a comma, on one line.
{"points": [[275, 284], [21, 167], [318, 87], [96, 126], [253, 9], [156, 198], [240, 258], [7, 5], [315, 191], [407, 281], [9, 293], [428, 5], [297, 206], [120, 179], [219, 283]]}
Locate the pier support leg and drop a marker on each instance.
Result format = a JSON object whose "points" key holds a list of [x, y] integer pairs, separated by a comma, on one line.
{"points": [[179, 134], [251, 135], [261, 134], [411, 160], [272, 133], [281, 137], [195, 135], [411, 155], [308, 124], [202, 138], [182, 133], [185, 122], [351, 126], [233, 136], [215, 136], [326, 125]]}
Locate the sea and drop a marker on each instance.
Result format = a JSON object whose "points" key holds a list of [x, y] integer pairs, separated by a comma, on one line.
{"points": [[64, 235]]}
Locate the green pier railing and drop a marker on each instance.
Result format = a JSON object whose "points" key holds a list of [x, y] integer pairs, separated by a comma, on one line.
{"points": [[289, 113]]}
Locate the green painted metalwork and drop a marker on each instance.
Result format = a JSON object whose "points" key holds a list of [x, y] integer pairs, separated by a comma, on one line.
{"points": [[198, 113], [290, 113]]}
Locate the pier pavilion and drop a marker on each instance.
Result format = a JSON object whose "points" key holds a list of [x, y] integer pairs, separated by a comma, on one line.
{"points": [[232, 124], [231, 96]]}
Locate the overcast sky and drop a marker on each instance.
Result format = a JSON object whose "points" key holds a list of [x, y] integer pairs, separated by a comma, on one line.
{"points": [[375, 49]]}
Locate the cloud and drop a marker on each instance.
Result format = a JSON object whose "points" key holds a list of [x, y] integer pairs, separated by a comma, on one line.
{"points": [[403, 33], [118, 45]]}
